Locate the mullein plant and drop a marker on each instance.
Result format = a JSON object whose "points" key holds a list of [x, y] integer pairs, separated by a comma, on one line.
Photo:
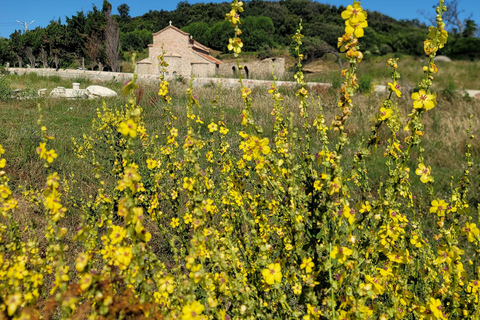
{"points": [[276, 227]]}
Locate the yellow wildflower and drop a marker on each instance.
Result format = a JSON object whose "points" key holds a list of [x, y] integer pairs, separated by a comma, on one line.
{"points": [[340, 253], [212, 127], [307, 264], [128, 128], [436, 308], [471, 231], [192, 311], [335, 186], [423, 99], [117, 234], [356, 27], [354, 13], [272, 274], [384, 114], [394, 87], [439, 207], [424, 173]]}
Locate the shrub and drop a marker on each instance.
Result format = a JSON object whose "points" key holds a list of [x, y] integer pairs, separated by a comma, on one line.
{"points": [[199, 222]]}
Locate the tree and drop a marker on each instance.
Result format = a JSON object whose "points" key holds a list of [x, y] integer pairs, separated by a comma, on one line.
{"points": [[16, 46], [112, 34], [218, 35], [93, 46], [257, 31], [124, 11], [95, 37], [43, 57], [136, 40], [5, 52], [55, 39], [452, 17], [198, 31], [470, 29]]}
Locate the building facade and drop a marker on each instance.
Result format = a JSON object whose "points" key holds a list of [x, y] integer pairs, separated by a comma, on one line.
{"points": [[184, 55]]}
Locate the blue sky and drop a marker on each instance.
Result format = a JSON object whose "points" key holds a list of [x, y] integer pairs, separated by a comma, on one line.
{"points": [[42, 11]]}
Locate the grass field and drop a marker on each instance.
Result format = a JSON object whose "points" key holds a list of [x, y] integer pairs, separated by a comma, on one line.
{"points": [[20, 135]]}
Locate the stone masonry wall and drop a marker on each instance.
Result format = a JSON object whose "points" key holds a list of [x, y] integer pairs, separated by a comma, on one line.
{"points": [[179, 55], [198, 82]]}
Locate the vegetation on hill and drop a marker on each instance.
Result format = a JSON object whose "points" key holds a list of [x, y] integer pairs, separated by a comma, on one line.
{"points": [[81, 41]]}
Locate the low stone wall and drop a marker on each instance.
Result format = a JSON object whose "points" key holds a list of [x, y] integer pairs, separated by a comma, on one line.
{"points": [[121, 76], [225, 82]]}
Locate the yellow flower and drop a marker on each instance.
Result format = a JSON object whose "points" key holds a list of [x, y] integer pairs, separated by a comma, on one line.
{"points": [[212, 127], [439, 207], [223, 130], [50, 155], [124, 256], [5, 191], [166, 284], [439, 33], [188, 218], [317, 185], [272, 274], [424, 173], [128, 128], [3, 162], [340, 253], [416, 241], [354, 13], [85, 281], [245, 92], [349, 214], [12, 302], [307, 264], [192, 311], [188, 183], [235, 45], [394, 87], [297, 288], [423, 99], [356, 27], [175, 222], [335, 186], [151, 163], [117, 235], [364, 207], [163, 88], [384, 114], [233, 17], [259, 146], [81, 261], [471, 231], [436, 308]]}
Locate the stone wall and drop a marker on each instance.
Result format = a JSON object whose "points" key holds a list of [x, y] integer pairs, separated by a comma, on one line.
{"points": [[255, 69], [153, 78], [122, 77]]}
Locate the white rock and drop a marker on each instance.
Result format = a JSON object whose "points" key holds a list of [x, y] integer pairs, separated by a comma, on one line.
{"points": [[99, 91], [42, 92], [442, 58], [58, 92]]}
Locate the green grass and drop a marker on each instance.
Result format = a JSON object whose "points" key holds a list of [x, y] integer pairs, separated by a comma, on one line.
{"points": [[444, 142]]}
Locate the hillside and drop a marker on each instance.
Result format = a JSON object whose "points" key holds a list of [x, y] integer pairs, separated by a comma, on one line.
{"points": [[266, 25]]}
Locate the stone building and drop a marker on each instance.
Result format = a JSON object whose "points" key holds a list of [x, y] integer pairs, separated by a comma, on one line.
{"points": [[256, 69], [183, 54]]}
